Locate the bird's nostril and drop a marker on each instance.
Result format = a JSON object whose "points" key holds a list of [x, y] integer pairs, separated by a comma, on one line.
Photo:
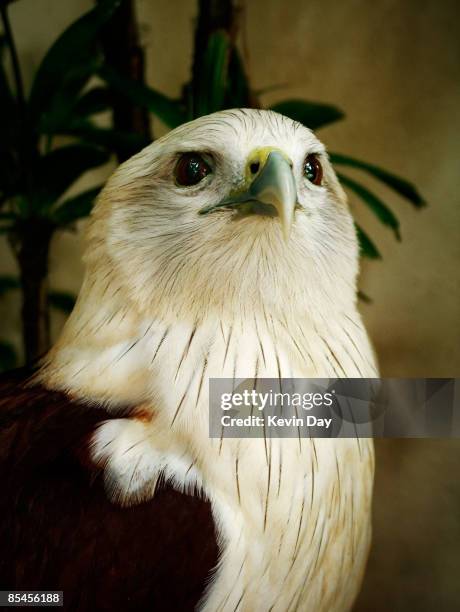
{"points": [[254, 167]]}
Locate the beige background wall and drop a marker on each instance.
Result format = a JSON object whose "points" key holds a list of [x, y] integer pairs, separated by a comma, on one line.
{"points": [[393, 67]]}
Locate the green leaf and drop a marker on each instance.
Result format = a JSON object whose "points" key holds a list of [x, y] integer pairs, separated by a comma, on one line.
{"points": [[168, 110], [75, 208], [7, 283], [113, 140], [311, 114], [381, 211], [366, 246], [57, 170], [63, 105], [398, 184], [364, 297], [213, 75], [8, 110], [10, 174], [9, 129], [8, 217], [96, 100], [20, 208], [238, 92], [8, 357], [71, 50], [7, 221], [61, 300]]}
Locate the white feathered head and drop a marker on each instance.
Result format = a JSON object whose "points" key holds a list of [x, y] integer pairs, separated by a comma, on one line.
{"points": [[232, 219], [227, 211]]}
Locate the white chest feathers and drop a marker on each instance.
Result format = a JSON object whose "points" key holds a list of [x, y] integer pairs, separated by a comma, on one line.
{"points": [[292, 515]]}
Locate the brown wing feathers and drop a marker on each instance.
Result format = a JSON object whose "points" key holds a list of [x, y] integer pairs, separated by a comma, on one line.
{"points": [[58, 531]]}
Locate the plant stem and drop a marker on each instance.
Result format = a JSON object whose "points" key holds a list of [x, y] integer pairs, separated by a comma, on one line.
{"points": [[14, 57], [212, 15], [32, 255], [123, 51], [24, 146]]}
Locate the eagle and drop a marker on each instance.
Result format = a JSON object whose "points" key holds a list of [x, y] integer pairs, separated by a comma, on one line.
{"points": [[225, 249]]}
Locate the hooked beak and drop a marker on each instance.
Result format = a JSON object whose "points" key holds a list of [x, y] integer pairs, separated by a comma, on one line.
{"points": [[274, 185]]}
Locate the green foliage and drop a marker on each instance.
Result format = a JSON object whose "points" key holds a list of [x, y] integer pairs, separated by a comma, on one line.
{"points": [[8, 357], [107, 138], [382, 212], [70, 61], [8, 129], [36, 169], [56, 171], [238, 93], [96, 100], [366, 246], [166, 109], [364, 297], [398, 184], [7, 283], [75, 208], [213, 76], [35, 174], [311, 114], [62, 301]]}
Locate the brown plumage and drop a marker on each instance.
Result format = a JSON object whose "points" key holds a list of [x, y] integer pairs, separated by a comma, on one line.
{"points": [[58, 531]]}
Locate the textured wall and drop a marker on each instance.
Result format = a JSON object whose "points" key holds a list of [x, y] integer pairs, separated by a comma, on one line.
{"points": [[393, 67]]}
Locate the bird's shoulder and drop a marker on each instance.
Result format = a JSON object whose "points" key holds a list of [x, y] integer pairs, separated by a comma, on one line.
{"points": [[59, 530]]}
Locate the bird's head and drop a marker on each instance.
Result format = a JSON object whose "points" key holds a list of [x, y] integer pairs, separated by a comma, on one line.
{"points": [[231, 210]]}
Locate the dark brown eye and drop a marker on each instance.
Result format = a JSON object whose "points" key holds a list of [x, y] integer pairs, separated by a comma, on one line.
{"points": [[313, 170], [191, 169]]}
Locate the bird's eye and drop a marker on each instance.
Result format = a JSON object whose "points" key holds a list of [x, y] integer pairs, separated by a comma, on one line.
{"points": [[191, 169], [313, 170]]}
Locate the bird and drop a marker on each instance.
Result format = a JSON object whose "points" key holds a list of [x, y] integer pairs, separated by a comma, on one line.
{"points": [[223, 250]]}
